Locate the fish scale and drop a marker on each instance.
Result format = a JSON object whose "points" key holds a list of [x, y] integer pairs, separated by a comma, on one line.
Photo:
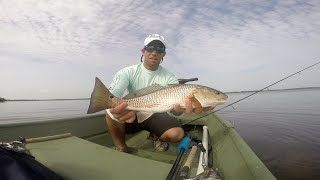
{"points": [[162, 100]]}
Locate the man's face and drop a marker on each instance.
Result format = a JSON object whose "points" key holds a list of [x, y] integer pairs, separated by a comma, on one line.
{"points": [[152, 56]]}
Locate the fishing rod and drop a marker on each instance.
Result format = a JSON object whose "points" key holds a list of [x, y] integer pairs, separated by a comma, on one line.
{"points": [[182, 148], [298, 72]]}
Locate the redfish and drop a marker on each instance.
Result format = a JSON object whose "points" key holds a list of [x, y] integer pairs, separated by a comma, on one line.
{"points": [[154, 98]]}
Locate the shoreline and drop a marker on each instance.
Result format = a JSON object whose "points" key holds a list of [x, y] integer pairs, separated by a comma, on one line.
{"points": [[76, 99]]}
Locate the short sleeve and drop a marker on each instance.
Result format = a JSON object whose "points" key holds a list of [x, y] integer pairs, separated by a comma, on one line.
{"points": [[119, 83]]}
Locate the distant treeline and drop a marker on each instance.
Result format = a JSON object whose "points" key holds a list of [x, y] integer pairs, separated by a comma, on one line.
{"points": [[3, 99], [47, 99]]}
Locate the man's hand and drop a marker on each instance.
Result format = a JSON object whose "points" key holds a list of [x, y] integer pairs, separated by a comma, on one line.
{"points": [[122, 114], [192, 105]]}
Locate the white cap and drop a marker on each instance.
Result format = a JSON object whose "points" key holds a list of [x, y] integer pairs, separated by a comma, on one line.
{"points": [[153, 37]]}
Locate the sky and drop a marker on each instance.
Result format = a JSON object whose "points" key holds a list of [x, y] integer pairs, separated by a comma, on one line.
{"points": [[55, 48]]}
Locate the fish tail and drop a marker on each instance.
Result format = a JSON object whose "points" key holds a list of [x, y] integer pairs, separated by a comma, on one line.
{"points": [[101, 98]]}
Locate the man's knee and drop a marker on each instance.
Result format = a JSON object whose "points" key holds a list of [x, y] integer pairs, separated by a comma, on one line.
{"points": [[173, 134]]}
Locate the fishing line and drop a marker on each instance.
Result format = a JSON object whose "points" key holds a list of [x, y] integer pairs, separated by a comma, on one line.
{"points": [[298, 72]]}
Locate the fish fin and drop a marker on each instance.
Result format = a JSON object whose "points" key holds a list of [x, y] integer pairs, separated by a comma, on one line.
{"points": [[197, 101], [196, 105], [101, 98], [142, 116], [144, 91], [176, 85]]}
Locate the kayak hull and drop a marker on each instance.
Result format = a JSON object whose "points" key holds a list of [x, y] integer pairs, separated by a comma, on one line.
{"points": [[89, 152]]}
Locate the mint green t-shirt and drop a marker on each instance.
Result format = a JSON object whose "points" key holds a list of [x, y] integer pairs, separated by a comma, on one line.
{"points": [[137, 76]]}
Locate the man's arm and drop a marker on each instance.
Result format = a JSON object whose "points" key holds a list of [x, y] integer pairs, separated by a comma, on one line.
{"points": [[118, 86]]}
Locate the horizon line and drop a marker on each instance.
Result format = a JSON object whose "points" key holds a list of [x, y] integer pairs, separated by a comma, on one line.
{"points": [[243, 91]]}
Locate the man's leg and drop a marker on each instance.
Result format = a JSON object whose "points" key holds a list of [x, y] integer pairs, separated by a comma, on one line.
{"points": [[118, 133], [172, 135], [165, 127]]}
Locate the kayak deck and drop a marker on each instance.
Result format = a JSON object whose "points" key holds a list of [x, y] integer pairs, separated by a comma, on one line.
{"points": [[76, 158]]}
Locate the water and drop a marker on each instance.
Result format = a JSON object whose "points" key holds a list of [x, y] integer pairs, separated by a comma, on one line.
{"points": [[24, 111], [281, 127]]}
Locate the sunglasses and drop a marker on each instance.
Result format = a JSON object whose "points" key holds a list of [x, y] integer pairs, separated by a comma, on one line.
{"points": [[158, 49]]}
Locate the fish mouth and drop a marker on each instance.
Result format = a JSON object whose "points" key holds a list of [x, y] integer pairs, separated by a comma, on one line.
{"points": [[220, 102]]}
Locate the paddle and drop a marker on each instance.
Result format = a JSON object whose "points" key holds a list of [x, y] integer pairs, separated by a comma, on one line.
{"points": [[183, 146]]}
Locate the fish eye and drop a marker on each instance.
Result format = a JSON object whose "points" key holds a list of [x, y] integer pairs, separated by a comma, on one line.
{"points": [[217, 92], [111, 96]]}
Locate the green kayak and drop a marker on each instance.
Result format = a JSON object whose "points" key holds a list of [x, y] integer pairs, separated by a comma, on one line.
{"points": [[86, 151]]}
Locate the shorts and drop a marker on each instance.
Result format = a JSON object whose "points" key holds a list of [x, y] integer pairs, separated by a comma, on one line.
{"points": [[157, 124]]}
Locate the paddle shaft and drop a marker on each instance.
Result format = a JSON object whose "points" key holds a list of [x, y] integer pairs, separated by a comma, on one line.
{"points": [[48, 138]]}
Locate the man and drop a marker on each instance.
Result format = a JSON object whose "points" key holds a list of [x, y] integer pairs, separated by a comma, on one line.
{"points": [[119, 120]]}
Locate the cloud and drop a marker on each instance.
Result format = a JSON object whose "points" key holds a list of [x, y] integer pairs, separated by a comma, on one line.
{"points": [[221, 42]]}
